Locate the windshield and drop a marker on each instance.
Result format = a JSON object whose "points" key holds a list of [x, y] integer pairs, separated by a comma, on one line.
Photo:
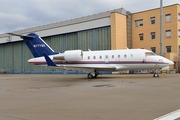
{"points": [[150, 54]]}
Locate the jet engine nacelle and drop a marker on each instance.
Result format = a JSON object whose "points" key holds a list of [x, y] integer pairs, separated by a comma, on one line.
{"points": [[73, 55]]}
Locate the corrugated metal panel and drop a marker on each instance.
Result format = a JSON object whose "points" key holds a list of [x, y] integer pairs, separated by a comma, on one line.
{"points": [[9, 57], [17, 57], [70, 41], [1, 57], [27, 56], [103, 40], [57, 43], [85, 40], [36, 69]]}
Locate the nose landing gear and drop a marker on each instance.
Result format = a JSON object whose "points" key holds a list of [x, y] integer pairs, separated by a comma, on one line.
{"points": [[155, 74]]}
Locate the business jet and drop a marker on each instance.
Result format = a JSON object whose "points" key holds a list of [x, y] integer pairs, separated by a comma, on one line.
{"points": [[92, 62]]}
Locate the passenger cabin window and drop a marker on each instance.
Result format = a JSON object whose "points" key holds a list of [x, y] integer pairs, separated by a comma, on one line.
{"points": [[94, 57], [112, 56], [106, 56], [131, 55], [118, 56], [125, 56], [100, 57], [88, 57], [149, 54]]}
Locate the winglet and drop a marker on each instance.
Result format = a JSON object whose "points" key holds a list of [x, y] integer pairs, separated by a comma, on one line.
{"points": [[48, 60]]}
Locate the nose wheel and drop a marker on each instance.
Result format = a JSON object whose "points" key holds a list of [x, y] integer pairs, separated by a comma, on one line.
{"points": [[155, 74]]}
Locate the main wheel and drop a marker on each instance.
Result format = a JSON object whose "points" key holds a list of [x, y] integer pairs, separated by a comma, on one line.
{"points": [[90, 76]]}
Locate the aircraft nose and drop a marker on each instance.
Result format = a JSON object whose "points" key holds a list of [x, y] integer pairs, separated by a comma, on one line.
{"points": [[171, 62], [167, 61]]}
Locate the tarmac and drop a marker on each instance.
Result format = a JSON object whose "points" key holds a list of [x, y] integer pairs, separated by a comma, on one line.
{"points": [[74, 97]]}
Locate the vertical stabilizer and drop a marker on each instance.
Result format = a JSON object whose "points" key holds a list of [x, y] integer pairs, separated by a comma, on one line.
{"points": [[37, 46]]}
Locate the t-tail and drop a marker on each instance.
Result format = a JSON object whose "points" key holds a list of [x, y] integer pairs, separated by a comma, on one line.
{"points": [[36, 45]]}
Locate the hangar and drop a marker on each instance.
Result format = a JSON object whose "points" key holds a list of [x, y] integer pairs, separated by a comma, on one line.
{"points": [[93, 32], [114, 29]]}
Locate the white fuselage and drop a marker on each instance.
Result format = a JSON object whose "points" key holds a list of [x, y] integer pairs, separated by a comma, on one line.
{"points": [[109, 60]]}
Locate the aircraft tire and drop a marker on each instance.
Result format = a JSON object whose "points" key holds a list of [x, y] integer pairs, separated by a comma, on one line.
{"points": [[155, 75], [90, 76]]}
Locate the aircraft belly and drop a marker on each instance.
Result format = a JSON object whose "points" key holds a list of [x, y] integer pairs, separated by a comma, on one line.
{"points": [[136, 66]]}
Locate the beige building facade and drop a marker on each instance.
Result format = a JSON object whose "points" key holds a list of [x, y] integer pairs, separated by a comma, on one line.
{"points": [[146, 31]]}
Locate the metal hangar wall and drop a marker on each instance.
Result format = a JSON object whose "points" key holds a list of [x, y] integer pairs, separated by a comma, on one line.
{"points": [[90, 32]]}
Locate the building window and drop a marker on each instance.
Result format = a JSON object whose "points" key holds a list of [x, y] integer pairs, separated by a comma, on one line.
{"points": [[152, 20], [153, 35], [168, 48], [153, 49], [179, 33], [168, 33], [138, 23], [168, 17], [178, 16], [141, 36]]}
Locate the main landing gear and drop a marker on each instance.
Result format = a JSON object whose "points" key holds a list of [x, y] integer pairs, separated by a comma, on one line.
{"points": [[92, 75]]}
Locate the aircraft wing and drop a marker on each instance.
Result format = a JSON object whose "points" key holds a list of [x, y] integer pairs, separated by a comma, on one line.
{"points": [[88, 68], [84, 68]]}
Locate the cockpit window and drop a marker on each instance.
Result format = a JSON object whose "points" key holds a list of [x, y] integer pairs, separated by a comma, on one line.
{"points": [[149, 54]]}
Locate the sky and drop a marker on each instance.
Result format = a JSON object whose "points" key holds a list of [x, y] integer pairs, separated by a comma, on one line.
{"points": [[22, 14]]}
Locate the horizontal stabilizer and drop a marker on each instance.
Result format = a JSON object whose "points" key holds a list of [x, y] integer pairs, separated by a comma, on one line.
{"points": [[48, 60], [22, 36]]}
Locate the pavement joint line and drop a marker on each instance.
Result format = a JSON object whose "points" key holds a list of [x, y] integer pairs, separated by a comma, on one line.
{"points": [[170, 116]]}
